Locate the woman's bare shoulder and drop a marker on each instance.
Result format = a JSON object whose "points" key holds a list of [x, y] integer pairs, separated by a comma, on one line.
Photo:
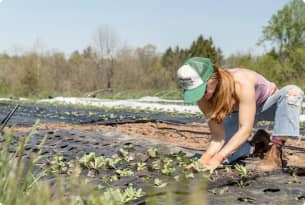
{"points": [[243, 75]]}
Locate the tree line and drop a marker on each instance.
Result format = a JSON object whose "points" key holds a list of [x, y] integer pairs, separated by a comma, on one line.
{"points": [[104, 66]]}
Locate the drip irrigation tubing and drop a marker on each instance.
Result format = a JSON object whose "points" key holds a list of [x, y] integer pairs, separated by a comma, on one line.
{"points": [[301, 149]]}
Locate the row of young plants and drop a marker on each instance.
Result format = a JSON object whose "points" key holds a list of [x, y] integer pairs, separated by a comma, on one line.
{"points": [[71, 182], [125, 165], [153, 169], [79, 113], [93, 179]]}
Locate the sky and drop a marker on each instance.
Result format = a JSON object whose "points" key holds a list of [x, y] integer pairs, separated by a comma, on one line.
{"points": [[69, 25]]}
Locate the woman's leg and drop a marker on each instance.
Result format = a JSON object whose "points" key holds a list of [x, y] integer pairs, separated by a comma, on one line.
{"points": [[231, 127], [285, 106]]}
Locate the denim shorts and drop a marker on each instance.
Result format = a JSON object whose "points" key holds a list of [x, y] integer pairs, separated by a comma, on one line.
{"points": [[283, 109]]}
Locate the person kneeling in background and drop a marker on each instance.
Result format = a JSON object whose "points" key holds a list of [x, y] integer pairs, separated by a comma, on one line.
{"points": [[233, 100]]}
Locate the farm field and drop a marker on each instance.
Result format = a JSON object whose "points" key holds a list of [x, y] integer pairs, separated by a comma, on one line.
{"points": [[144, 153], [111, 104]]}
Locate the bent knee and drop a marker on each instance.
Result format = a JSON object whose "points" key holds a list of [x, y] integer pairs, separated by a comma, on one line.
{"points": [[294, 91], [295, 95]]}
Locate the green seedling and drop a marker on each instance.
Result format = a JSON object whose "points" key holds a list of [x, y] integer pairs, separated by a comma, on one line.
{"points": [[97, 163], [124, 154], [152, 152], [114, 178], [58, 165], [112, 163], [168, 167], [112, 116], [86, 159], [155, 165], [92, 162], [242, 170], [116, 196], [129, 147], [124, 172], [180, 156], [132, 193], [104, 117], [141, 166], [228, 169], [90, 114]]}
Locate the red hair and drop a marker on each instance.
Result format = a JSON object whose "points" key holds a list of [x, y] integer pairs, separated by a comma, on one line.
{"points": [[224, 98]]}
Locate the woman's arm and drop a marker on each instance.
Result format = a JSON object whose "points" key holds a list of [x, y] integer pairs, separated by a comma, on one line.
{"points": [[216, 142], [245, 91], [217, 136]]}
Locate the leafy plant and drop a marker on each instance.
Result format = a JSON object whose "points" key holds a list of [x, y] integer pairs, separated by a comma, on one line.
{"points": [[90, 161], [114, 178], [245, 175], [112, 163], [155, 165], [124, 172], [86, 159], [124, 154], [141, 166], [58, 165], [97, 163], [152, 152], [242, 170], [228, 169], [168, 167], [131, 194]]}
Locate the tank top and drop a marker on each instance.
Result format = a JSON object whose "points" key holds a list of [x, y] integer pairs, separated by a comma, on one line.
{"points": [[263, 87]]}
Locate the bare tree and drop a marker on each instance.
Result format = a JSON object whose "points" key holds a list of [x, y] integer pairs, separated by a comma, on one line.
{"points": [[105, 45]]}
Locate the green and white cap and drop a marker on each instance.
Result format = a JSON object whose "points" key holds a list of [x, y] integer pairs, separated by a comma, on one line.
{"points": [[193, 76]]}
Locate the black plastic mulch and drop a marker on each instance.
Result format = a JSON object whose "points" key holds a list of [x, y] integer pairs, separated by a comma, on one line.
{"points": [[27, 114], [224, 188]]}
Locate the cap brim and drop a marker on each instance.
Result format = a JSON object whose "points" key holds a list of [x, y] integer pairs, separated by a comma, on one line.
{"points": [[194, 95]]}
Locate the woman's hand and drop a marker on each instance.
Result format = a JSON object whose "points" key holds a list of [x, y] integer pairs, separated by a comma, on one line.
{"points": [[213, 163], [205, 158]]}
